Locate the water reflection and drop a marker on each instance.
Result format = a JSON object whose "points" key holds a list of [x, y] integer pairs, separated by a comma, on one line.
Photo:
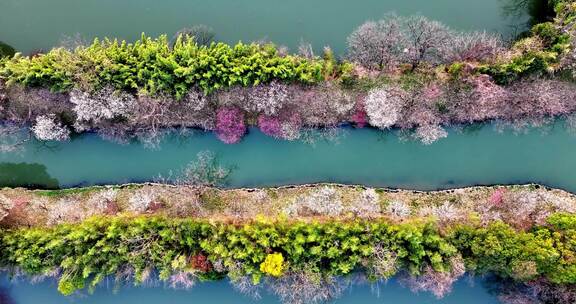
{"points": [[30, 175], [5, 297], [538, 10], [469, 291]]}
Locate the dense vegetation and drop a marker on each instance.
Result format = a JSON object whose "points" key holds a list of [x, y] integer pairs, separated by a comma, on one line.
{"points": [[154, 66], [132, 248], [410, 73], [542, 50], [157, 66]]}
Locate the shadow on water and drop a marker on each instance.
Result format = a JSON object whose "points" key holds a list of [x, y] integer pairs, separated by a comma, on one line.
{"points": [[538, 10], [29, 175], [6, 51], [5, 297]]}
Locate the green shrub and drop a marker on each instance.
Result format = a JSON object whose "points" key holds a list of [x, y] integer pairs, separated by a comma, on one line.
{"points": [[527, 64], [100, 247], [151, 66], [547, 31]]}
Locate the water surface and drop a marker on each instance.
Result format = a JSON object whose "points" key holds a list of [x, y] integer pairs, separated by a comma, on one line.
{"points": [[481, 156], [222, 293], [35, 24]]}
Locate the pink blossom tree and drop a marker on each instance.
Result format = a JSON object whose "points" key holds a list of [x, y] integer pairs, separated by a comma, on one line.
{"points": [[230, 126], [497, 197], [270, 125], [359, 118]]}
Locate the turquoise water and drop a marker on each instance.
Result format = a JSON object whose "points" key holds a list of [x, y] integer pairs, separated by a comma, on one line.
{"points": [[34, 24], [222, 293], [479, 155]]}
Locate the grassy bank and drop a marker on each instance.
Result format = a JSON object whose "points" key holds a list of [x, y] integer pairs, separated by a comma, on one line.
{"points": [[303, 242], [521, 206]]}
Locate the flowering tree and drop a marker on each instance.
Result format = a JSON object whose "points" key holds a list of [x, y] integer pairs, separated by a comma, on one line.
{"points": [[323, 105], [537, 98], [437, 282], [428, 134], [411, 40], [497, 197], [291, 126], [285, 126], [367, 204], [383, 106], [324, 201], [377, 44], [47, 128], [6, 205], [398, 209], [230, 125], [359, 118], [141, 200], [204, 171], [426, 40], [270, 125], [266, 98], [299, 287], [475, 46], [105, 104], [476, 98], [12, 138]]}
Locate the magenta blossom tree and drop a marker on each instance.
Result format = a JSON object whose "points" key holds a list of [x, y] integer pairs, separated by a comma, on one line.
{"points": [[230, 126], [359, 118], [270, 125]]}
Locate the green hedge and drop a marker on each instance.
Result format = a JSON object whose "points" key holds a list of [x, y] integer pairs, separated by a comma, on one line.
{"points": [[153, 66], [99, 247], [556, 43]]}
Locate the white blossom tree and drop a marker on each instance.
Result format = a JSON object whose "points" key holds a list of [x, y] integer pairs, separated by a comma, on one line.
{"points": [[398, 209], [5, 205], [383, 106], [395, 39], [430, 133], [475, 46], [47, 128], [426, 41], [106, 104], [439, 283], [324, 201], [12, 138], [306, 287], [266, 98], [377, 44]]}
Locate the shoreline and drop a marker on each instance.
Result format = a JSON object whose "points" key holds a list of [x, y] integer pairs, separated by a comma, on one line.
{"points": [[519, 205]]}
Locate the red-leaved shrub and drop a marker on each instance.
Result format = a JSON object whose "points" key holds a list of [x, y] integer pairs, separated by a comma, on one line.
{"points": [[201, 263]]}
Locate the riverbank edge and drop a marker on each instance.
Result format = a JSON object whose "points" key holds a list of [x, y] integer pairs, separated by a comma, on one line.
{"points": [[446, 224], [315, 201]]}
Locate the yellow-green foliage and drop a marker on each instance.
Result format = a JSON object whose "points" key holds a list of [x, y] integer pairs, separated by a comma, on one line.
{"points": [[555, 42], [273, 264], [152, 66], [90, 251]]}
